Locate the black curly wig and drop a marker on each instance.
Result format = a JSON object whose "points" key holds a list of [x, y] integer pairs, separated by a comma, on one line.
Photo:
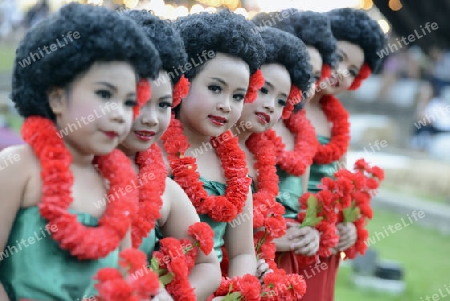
{"points": [[311, 27], [221, 32], [99, 35], [165, 38], [357, 27], [289, 51]]}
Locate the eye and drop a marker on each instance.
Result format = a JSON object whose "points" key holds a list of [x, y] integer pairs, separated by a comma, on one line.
{"points": [[282, 102], [264, 90], [316, 78], [353, 72], [340, 58], [215, 89], [165, 104], [131, 103], [238, 97], [103, 94]]}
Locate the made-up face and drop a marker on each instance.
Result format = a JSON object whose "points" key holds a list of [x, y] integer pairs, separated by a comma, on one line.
{"points": [[315, 60], [153, 119], [268, 107], [351, 59], [216, 96], [95, 112]]}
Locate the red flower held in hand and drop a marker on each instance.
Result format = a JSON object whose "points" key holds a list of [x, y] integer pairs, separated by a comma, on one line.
{"points": [[204, 236]]}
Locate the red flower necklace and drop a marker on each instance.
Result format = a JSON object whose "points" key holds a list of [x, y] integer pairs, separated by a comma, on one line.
{"points": [[57, 179], [151, 168], [184, 169], [340, 132], [296, 161], [266, 211]]}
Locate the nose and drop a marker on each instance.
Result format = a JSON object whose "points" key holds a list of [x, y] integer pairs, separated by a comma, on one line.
{"points": [[119, 113], [270, 105], [223, 105], [149, 118]]}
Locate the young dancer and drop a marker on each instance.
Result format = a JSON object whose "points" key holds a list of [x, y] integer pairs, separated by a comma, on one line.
{"points": [[162, 200], [296, 146], [203, 156], [287, 73], [78, 101], [359, 38]]}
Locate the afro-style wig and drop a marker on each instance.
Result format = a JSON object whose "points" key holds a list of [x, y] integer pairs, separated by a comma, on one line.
{"points": [[165, 38], [311, 27], [357, 27], [103, 36], [289, 51], [222, 32]]}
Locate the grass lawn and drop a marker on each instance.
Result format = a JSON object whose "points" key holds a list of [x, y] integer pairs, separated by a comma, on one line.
{"points": [[414, 192], [7, 54], [423, 253]]}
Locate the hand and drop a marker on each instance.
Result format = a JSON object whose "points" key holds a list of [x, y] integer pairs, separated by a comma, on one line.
{"points": [[305, 241], [163, 295], [347, 236], [262, 269]]}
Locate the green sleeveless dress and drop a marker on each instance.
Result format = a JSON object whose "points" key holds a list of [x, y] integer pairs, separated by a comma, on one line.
{"points": [[289, 190], [219, 228], [319, 171], [33, 266]]}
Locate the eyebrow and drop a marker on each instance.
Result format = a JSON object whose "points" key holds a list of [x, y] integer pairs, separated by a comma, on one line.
{"points": [[226, 85], [273, 87], [168, 96], [114, 88]]}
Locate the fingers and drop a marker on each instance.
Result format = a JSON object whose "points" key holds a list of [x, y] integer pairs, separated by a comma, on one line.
{"points": [[297, 233], [262, 269], [292, 224]]}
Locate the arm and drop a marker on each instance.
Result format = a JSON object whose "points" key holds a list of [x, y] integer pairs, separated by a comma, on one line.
{"points": [[177, 215], [13, 182], [305, 179], [239, 243]]}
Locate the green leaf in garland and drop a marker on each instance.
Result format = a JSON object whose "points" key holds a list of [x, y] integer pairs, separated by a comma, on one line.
{"points": [[167, 278], [154, 264], [236, 296], [311, 218]]}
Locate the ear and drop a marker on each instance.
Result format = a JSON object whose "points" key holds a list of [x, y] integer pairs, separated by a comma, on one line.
{"points": [[56, 99]]}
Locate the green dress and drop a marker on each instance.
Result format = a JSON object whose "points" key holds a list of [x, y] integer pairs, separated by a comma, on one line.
{"points": [[289, 190], [33, 266], [319, 171], [219, 228]]}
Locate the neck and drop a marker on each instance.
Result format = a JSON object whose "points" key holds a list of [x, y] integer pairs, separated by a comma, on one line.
{"points": [[242, 135], [315, 100], [129, 153], [79, 158], [193, 137]]}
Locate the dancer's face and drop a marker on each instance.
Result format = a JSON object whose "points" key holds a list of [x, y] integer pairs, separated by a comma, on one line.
{"points": [[153, 118], [268, 107], [351, 59], [216, 96], [95, 112]]}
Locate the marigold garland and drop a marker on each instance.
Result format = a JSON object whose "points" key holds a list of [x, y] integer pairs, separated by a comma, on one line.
{"points": [[151, 167], [255, 84], [180, 91], [57, 180], [340, 131], [184, 170], [296, 161], [144, 93]]}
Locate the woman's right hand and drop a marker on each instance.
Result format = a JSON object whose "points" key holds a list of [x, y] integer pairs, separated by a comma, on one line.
{"points": [[163, 295]]}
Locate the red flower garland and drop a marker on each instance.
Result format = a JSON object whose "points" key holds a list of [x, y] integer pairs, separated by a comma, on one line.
{"points": [[180, 91], [144, 93], [295, 97], [138, 285], [184, 169], [256, 83], [296, 161], [57, 180], [152, 168], [340, 132], [363, 74]]}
